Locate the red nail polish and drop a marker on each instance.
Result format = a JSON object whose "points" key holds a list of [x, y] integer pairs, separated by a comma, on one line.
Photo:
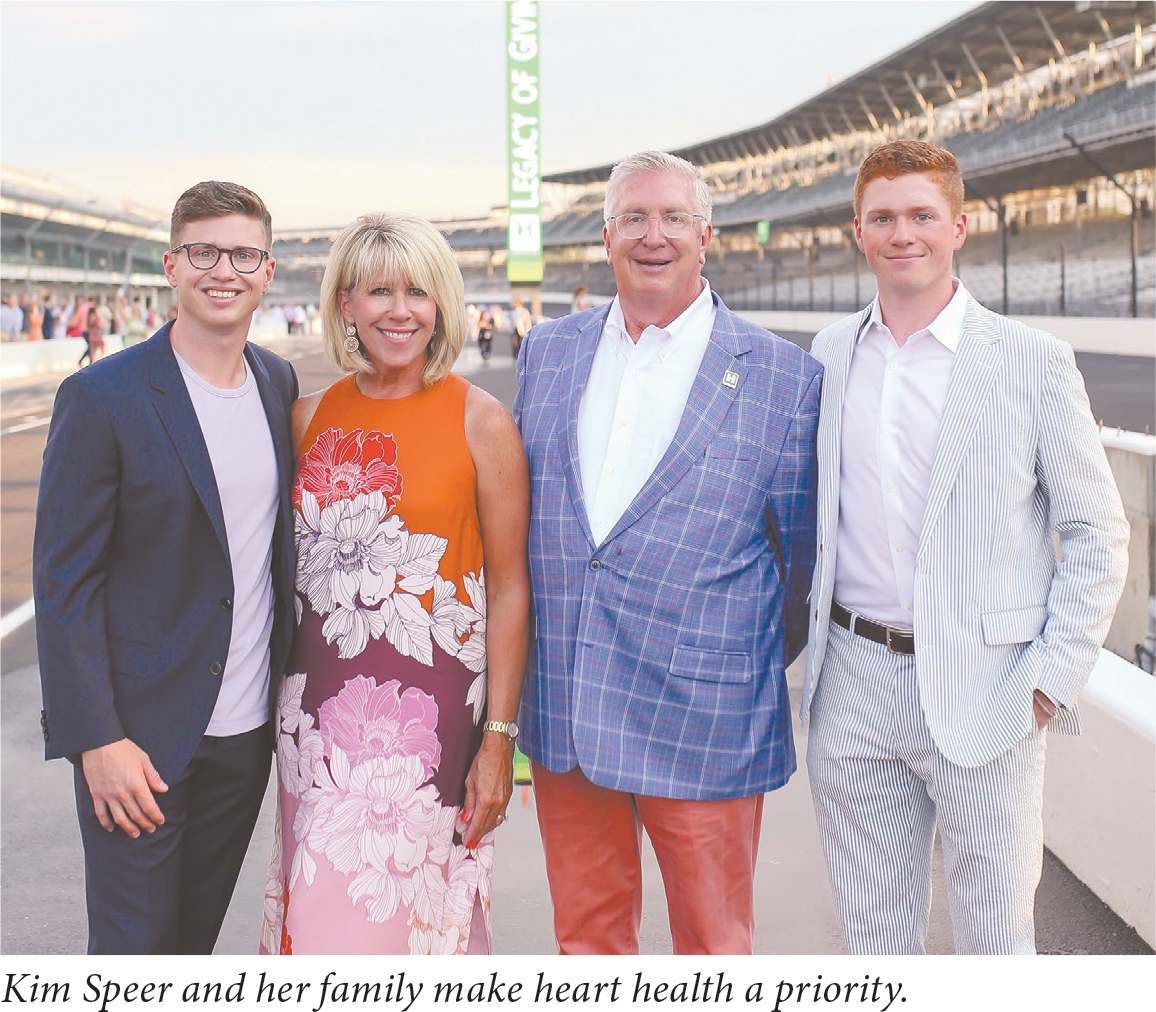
{"points": [[465, 816]]}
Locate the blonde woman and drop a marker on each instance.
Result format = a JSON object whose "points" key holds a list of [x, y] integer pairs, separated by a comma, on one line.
{"points": [[397, 716]]}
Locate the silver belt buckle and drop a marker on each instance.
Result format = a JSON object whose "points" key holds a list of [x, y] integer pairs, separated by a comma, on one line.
{"points": [[889, 631]]}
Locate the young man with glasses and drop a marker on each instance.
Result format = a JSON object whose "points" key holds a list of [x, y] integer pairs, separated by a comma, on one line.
{"points": [[671, 545], [163, 579]]}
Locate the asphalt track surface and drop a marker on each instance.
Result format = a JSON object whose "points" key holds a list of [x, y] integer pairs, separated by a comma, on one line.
{"points": [[41, 873], [1121, 388]]}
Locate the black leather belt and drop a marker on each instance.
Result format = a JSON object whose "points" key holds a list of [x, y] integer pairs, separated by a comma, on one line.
{"points": [[898, 641]]}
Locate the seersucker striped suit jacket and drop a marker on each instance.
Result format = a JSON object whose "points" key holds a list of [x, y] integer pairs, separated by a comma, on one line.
{"points": [[660, 655], [1018, 462]]}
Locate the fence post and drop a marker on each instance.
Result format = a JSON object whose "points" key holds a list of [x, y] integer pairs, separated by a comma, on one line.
{"points": [[1063, 279]]}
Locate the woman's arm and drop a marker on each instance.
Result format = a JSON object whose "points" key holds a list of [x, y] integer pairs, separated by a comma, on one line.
{"points": [[504, 513], [304, 409]]}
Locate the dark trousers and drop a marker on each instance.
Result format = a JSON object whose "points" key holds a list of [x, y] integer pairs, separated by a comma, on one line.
{"points": [[167, 892]]}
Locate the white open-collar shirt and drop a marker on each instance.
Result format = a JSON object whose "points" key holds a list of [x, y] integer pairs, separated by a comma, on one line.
{"points": [[892, 410], [633, 401]]}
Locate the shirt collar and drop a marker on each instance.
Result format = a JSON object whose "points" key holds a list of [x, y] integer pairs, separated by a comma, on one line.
{"points": [[946, 328], [687, 320]]}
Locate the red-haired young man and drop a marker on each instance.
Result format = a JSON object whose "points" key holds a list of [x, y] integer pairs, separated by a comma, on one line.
{"points": [[945, 635]]}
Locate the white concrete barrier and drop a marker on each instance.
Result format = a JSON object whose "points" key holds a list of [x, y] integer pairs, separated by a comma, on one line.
{"points": [[1132, 457], [1100, 793], [35, 358]]}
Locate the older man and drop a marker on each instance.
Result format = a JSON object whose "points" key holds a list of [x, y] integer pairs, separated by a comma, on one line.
{"points": [[672, 454], [954, 446]]}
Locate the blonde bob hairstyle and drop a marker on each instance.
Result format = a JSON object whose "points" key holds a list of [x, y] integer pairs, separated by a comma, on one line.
{"points": [[395, 246]]}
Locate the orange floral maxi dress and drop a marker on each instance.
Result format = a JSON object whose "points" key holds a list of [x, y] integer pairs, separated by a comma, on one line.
{"points": [[381, 707]]}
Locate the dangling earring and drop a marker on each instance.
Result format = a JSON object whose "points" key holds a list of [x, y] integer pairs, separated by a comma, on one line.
{"points": [[352, 342]]}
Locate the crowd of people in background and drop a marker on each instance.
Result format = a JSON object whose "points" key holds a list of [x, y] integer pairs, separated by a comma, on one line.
{"points": [[41, 317], [487, 319]]}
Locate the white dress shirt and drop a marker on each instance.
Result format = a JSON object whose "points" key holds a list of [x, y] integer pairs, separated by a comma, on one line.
{"points": [[892, 409], [633, 401]]}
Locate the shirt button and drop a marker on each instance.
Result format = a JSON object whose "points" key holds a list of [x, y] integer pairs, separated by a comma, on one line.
{"points": [[899, 549], [894, 367], [890, 487], [622, 421], [612, 471], [215, 668], [635, 373], [595, 564], [227, 603]]}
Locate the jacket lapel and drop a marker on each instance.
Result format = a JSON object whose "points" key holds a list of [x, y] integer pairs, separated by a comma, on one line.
{"points": [[971, 381], [574, 376], [175, 408], [277, 414], [710, 398], [836, 366]]}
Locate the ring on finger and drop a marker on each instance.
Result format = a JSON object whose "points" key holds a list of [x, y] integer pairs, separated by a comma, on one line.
{"points": [[501, 817]]}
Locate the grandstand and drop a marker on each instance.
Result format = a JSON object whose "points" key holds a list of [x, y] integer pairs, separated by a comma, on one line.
{"points": [[66, 242], [1050, 108]]}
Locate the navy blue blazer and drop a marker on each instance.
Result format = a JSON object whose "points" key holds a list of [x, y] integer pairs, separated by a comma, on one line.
{"points": [[660, 656], [131, 571]]}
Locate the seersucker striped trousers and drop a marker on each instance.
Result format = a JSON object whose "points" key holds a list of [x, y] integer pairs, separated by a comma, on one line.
{"points": [[881, 789]]}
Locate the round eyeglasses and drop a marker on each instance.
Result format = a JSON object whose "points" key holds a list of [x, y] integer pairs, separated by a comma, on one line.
{"points": [[674, 224], [204, 255]]}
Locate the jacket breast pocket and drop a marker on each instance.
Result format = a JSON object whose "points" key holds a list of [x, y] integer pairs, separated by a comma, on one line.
{"points": [[1016, 625], [731, 449], [710, 665], [131, 659], [726, 469]]}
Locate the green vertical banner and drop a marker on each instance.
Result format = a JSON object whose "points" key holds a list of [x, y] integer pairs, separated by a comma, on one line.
{"points": [[524, 232]]}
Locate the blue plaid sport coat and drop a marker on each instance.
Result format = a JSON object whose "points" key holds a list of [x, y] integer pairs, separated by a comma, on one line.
{"points": [[660, 655]]}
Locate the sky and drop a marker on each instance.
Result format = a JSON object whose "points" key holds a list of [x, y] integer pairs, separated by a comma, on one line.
{"points": [[331, 109]]}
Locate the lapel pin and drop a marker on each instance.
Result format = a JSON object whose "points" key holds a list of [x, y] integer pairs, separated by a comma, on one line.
{"points": [[730, 379]]}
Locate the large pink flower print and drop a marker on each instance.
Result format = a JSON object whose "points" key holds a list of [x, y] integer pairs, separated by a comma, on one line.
{"points": [[344, 466], [370, 721]]}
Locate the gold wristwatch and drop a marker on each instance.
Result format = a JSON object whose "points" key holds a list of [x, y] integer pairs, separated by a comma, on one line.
{"points": [[506, 727]]}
